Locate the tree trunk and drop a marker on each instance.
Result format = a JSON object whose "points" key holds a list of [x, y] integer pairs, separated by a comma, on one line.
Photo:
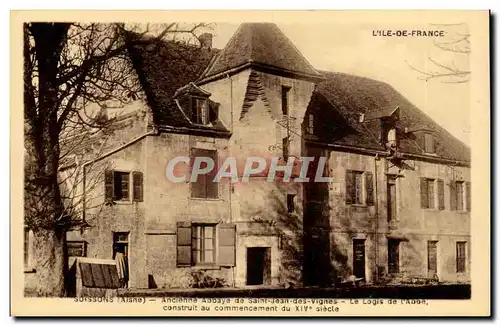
{"points": [[50, 262], [43, 205]]}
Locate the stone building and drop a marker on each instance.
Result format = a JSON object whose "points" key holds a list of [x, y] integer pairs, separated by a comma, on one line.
{"points": [[399, 203]]}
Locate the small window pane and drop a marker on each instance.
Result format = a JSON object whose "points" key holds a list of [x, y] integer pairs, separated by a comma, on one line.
{"points": [[209, 244], [209, 256]]}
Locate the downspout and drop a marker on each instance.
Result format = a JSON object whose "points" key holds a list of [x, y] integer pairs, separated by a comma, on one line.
{"points": [[377, 158], [230, 184]]}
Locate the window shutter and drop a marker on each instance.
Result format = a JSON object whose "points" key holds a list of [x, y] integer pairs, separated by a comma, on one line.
{"points": [[138, 186], [369, 188], [109, 184], [198, 188], [440, 185], [350, 187], [467, 190], [184, 243], [227, 244], [212, 188], [453, 196], [424, 201]]}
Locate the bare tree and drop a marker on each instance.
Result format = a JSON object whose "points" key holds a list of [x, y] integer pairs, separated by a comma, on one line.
{"points": [[457, 43], [67, 67]]}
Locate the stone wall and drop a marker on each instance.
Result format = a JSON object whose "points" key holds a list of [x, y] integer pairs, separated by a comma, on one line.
{"points": [[413, 226]]}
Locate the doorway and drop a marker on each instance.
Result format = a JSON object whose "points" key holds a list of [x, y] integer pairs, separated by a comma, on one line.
{"points": [[121, 248], [393, 256], [358, 268], [258, 266]]}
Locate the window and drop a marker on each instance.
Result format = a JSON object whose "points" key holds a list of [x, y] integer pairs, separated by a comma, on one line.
{"points": [[121, 185], [310, 124], [358, 184], [77, 248], [359, 187], [203, 244], [286, 147], [461, 256], [197, 243], [391, 198], [432, 258], [460, 196], [389, 134], [393, 255], [429, 144], [117, 185], [391, 138], [428, 193], [204, 186], [284, 99], [199, 111], [290, 204]]}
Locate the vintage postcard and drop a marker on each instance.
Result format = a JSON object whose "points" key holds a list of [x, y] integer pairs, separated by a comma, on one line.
{"points": [[265, 163]]}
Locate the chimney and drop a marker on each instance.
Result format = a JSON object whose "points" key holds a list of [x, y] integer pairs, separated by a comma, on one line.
{"points": [[206, 41]]}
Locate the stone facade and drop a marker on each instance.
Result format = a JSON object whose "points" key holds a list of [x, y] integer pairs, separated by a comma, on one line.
{"points": [[341, 224]]}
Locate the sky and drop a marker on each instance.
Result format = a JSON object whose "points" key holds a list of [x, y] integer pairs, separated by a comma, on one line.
{"points": [[352, 48]]}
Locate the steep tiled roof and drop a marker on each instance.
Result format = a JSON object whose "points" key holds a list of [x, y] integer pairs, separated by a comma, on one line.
{"points": [[163, 67], [260, 44], [340, 99]]}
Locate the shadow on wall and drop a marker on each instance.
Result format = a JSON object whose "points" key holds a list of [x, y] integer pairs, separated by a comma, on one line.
{"points": [[269, 201], [326, 260], [318, 268]]}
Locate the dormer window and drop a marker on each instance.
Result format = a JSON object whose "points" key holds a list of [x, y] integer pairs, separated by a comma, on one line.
{"points": [[199, 111], [429, 146], [389, 134], [391, 138]]}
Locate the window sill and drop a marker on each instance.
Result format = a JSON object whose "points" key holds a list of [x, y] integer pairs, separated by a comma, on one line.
{"points": [[28, 270], [205, 267], [359, 205], [122, 202], [200, 267], [433, 210], [205, 199]]}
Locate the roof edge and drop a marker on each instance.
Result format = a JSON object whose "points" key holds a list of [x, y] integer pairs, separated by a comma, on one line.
{"points": [[262, 68], [371, 151]]}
